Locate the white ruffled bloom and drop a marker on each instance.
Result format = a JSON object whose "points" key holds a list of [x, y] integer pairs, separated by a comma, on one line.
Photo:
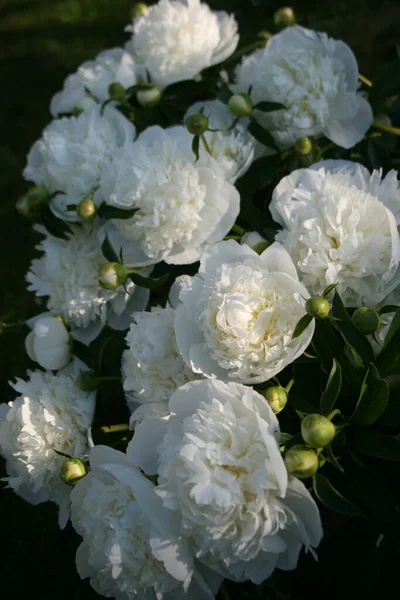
{"points": [[316, 79], [177, 39], [130, 547], [50, 414], [220, 469], [49, 344], [233, 149], [237, 318], [182, 205], [152, 366], [340, 226], [73, 152], [95, 76], [68, 273]]}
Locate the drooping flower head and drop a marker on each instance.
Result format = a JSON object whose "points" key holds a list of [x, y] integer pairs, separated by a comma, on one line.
{"points": [[94, 76], [49, 343], [176, 39], [50, 414], [182, 205], [316, 79], [237, 318], [340, 226], [221, 471]]}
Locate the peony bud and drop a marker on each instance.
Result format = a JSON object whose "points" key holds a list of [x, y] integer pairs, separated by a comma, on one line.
{"points": [[86, 209], [240, 105], [49, 344], [301, 461], [112, 275], [284, 17], [303, 146], [116, 91], [367, 320], [197, 124], [317, 307], [72, 471], [148, 96], [139, 10], [35, 197], [87, 381], [317, 431], [276, 398]]}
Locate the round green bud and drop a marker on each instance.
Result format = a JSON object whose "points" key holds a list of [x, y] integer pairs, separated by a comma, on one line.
{"points": [[367, 320], [301, 461], [317, 307], [303, 146], [112, 275], [317, 431], [197, 124], [149, 96], [86, 209], [72, 471], [284, 17], [240, 105], [116, 91], [139, 10], [34, 198], [87, 381], [276, 398]]}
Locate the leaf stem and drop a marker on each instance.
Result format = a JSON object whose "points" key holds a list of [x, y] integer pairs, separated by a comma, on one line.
{"points": [[289, 386], [386, 128], [333, 414], [364, 79], [237, 229], [205, 143]]}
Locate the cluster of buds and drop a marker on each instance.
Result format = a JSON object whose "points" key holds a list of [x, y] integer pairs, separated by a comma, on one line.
{"points": [[302, 460]]}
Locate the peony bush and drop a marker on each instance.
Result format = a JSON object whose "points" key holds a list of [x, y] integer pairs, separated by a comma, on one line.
{"points": [[217, 365]]}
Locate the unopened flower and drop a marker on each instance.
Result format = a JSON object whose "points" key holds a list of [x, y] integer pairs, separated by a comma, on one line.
{"points": [[237, 318], [49, 344], [50, 414], [221, 472], [176, 39], [340, 226], [316, 79]]}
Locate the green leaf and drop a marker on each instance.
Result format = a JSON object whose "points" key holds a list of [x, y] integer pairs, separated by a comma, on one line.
{"points": [[328, 290], [112, 212], [285, 437], [389, 308], [55, 226], [374, 396], [189, 87], [388, 360], [262, 172], [393, 328], [108, 251], [378, 157], [379, 445], [301, 405], [269, 106], [62, 453], [391, 416], [196, 147], [150, 283], [360, 346], [332, 499], [332, 390], [301, 326], [224, 93], [332, 458], [262, 135]]}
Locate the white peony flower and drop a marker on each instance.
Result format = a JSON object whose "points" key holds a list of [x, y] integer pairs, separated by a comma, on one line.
{"points": [[73, 152], [316, 79], [237, 318], [177, 39], [130, 547], [68, 273], [94, 76], [233, 149], [182, 205], [50, 414], [340, 226], [152, 366], [221, 471], [49, 344]]}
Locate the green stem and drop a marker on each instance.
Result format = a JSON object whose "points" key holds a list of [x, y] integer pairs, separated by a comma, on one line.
{"points": [[367, 82], [333, 414], [237, 229], [289, 386], [205, 143], [9, 325], [386, 128], [114, 428], [232, 237]]}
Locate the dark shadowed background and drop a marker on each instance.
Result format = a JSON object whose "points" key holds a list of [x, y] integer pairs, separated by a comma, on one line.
{"points": [[41, 42]]}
